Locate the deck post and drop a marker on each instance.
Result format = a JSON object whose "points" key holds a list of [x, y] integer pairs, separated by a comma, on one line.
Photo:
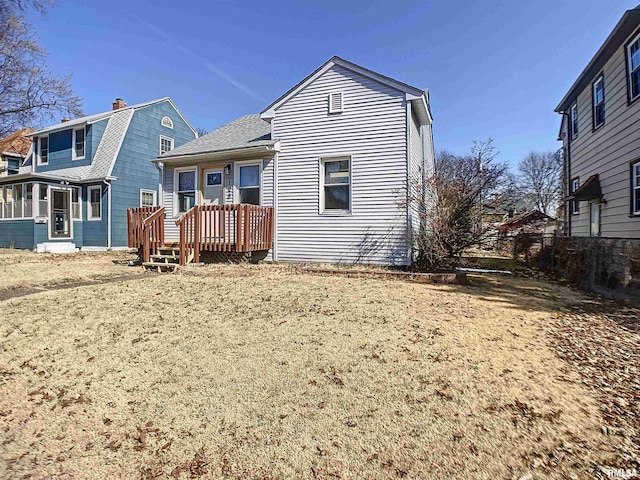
{"points": [[196, 235]]}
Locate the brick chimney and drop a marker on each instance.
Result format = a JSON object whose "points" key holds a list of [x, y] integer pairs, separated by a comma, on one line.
{"points": [[65, 120], [118, 104]]}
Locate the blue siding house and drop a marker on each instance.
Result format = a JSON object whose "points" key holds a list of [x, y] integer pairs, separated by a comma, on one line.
{"points": [[80, 176]]}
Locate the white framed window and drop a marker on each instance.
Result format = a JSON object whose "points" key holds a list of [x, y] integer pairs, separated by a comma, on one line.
{"points": [[633, 68], [16, 201], [76, 202], [335, 185], [598, 102], [94, 203], [336, 102], [43, 200], [43, 150], [635, 188], [248, 177], [166, 144], [167, 122], [148, 198], [594, 219], [184, 186], [78, 143], [574, 205], [13, 165], [573, 121]]}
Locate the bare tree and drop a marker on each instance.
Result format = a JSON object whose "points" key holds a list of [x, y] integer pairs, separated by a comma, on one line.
{"points": [[30, 93], [201, 131], [540, 180], [451, 205]]}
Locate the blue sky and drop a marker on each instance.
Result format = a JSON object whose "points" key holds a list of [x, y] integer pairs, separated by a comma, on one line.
{"points": [[495, 68]]}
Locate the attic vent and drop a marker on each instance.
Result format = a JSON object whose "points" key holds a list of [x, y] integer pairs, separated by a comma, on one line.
{"points": [[167, 122], [335, 102]]}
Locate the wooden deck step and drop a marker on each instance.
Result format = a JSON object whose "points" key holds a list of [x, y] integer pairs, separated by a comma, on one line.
{"points": [[160, 267], [165, 259]]}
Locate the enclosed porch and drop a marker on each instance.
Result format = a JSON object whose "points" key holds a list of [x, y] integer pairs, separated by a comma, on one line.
{"points": [[236, 228]]}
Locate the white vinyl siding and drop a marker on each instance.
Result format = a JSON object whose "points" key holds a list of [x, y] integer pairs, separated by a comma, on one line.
{"points": [[372, 131], [609, 151], [416, 172]]}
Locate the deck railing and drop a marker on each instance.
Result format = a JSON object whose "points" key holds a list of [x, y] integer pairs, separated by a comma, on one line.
{"points": [[146, 230], [224, 228]]}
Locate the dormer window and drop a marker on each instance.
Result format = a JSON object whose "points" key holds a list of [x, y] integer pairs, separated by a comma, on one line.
{"points": [[43, 150], [13, 165], [335, 102], [79, 138], [167, 122]]}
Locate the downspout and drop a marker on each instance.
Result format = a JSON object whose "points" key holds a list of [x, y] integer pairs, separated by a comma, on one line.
{"points": [[567, 213], [108, 184], [408, 193], [160, 167]]}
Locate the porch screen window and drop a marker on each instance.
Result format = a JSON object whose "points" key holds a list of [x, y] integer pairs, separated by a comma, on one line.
{"points": [[598, 102], [28, 200], [337, 179], [186, 190], [43, 206], [17, 201], [633, 68], [249, 186], [8, 202], [78, 144], [44, 150], [635, 188], [75, 204], [95, 203]]}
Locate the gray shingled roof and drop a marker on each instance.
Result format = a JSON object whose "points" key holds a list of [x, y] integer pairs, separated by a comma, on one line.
{"points": [[245, 132], [106, 153]]}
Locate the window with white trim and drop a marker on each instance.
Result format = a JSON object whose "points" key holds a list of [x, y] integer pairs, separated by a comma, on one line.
{"points": [[573, 121], [574, 205], [13, 165], [167, 122], [94, 200], [43, 150], [76, 202], [633, 68], [598, 102], [249, 184], [147, 198], [635, 188], [166, 144], [336, 104], [43, 200], [16, 201], [336, 185], [79, 138], [185, 187]]}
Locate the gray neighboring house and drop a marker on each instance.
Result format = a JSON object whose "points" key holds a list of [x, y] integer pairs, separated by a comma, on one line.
{"points": [[600, 132], [333, 156]]}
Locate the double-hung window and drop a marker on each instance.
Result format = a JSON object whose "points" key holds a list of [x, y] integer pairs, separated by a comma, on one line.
{"points": [[76, 212], [336, 185], [43, 149], [633, 68], [574, 205], [79, 137], [94, 194], [598, 102], [185, 186], [249, 184], [573, 121], [166, 144], [13, 165], [43, 200], [635, 188]]}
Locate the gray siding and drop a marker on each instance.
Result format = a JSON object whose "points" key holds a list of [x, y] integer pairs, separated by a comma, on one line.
{"points": [[372, 129], [608, 152], [416, 171]]}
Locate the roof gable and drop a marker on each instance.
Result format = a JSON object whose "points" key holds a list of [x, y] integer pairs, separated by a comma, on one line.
{"points": [[412, 93], [18, 142]]}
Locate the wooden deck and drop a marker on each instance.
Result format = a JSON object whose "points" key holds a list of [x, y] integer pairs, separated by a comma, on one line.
{"points": [[215, 228]]}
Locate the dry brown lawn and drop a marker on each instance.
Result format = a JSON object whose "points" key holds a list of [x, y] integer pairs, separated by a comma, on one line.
{"points": [[267, 372], [24, 269]]}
